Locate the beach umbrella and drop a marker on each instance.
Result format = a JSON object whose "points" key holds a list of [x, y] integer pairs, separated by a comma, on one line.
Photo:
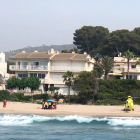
{"points": [[50, 100]]}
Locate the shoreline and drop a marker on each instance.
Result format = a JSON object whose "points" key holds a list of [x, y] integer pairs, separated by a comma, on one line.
{"points": [[68, 110]]}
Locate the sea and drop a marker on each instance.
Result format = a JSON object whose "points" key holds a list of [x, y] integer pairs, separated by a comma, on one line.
{"points": [[34, 127]]}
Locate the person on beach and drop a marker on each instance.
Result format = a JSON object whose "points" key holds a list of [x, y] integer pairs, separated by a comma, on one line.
{"points": [[42, 105], [4, 103]]}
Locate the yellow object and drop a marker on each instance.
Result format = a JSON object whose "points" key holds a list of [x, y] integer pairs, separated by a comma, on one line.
{"points": [[129, 104], [46, 103], [49, 103]]}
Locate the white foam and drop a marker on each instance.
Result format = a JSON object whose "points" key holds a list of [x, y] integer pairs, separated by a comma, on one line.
{"points": [[28, 119]]}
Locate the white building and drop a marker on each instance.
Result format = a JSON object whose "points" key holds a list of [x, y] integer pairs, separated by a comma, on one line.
{"points": [[119, 70], [50, 67], [3, 69]]}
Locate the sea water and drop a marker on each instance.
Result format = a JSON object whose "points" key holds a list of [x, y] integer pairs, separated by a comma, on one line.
{"points": [[34, 127]]}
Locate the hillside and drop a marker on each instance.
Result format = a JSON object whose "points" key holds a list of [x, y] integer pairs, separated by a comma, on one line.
{"points": [[43, 48]]}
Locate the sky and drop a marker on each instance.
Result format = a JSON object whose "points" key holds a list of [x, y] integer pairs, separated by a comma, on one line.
{"points": [[52, 22]]}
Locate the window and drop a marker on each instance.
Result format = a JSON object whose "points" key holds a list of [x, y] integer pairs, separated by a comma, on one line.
{"points": [[22, 75], [57, 77], [133, 66], [42, 76], [43, 63], [132, 77], [24, 65], [33, 74]]}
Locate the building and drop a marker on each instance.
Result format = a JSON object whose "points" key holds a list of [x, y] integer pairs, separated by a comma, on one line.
{"points": [[119, 70], [50, 67], [3, 70]]}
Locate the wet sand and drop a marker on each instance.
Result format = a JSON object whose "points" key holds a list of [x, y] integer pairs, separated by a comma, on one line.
{"points": [[63, 110]]}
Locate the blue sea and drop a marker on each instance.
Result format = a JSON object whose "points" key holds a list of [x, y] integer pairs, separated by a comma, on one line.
{"points": [[34, 127]]}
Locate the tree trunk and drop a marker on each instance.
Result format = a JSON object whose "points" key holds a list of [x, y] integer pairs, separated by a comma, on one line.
{"points": [[69, 94], [106, 73], [128, 68]]}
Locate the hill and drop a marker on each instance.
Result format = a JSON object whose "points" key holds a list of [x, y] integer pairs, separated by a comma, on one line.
{"points": [[43, 48]]}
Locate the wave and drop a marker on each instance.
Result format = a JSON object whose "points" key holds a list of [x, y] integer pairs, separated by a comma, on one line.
{"points": [[16, 120]]}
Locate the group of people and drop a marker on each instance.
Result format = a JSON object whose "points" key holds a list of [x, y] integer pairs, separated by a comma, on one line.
{"points": [[48, 105]]}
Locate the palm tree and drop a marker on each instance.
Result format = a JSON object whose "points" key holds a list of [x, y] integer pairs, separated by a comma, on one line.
{"points": [[68, 77], [108, 64], [129, 55]]}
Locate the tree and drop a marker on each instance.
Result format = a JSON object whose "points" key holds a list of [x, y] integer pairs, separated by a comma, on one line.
{"points": [[84, 85], [120, 41], [97, 57], [74, 50], [137, 31], [99, 68], [52, 89], [107, 63], [129, 55], [68, 78], [13, 82], [71, 50], [33, 83], [89, 38], [65, 51], [22, 83]]}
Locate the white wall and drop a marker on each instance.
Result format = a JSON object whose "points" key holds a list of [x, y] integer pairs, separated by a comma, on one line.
{"points": [[3, 64]]}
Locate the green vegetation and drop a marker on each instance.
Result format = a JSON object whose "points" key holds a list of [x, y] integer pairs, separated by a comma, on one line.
{"points": [[98, 39], [110, 92], [129, 55], [68, 78], [20, 97], [31, 82]]}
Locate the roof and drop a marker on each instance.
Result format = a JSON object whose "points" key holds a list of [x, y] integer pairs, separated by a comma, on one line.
{"points": [[54, 56], [70, 56], [124, 60], [33, 55]]}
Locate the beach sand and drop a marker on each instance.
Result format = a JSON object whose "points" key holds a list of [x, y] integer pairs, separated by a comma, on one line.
{"points": [[63, 110]]}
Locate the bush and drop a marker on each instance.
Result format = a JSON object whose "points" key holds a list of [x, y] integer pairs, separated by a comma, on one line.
{"points": [[4, 95], [27, 98], [40, 96], [109, 102], [74, 98], [19, 97]]}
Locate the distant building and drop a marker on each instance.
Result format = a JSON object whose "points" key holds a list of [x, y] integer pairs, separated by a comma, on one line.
{"points": [[50, 67], [119, 70], [3, 70]]}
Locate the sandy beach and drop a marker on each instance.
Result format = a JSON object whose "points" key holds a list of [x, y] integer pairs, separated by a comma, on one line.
{"points": [[62, 110]]}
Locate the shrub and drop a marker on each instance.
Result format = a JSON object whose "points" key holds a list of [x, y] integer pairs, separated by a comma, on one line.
{"points": [[19, 96], [74, 98], [41, 96], [4, 95], [109, 102]]}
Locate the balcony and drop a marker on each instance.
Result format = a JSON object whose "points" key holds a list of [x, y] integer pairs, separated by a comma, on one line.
{"points": [[132, 70], [28, 68], [64, 69]]}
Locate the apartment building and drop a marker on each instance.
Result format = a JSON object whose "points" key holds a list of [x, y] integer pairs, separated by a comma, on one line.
{"points": [[3, 69], [50, 67], [119, 70]]}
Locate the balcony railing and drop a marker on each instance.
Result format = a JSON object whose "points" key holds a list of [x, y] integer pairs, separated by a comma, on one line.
{"points": [[132, 70], [26, 67], [74, 69]]}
